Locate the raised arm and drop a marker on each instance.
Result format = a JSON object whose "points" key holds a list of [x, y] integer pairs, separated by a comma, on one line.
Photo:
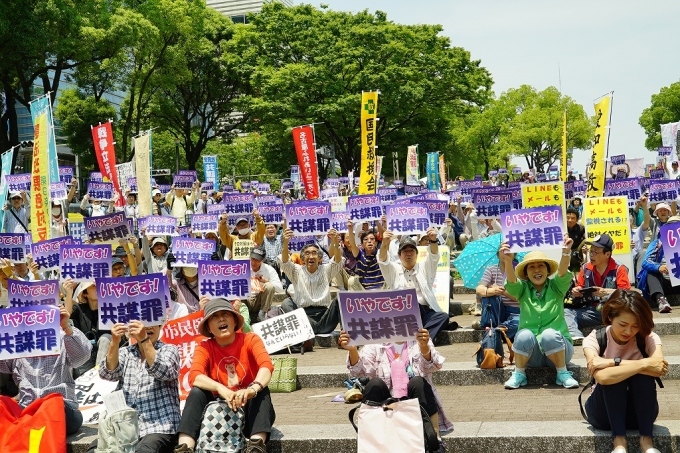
{"points": [[352, 239], [563, 268], [505, 255], [334, 248], [287, 236]]}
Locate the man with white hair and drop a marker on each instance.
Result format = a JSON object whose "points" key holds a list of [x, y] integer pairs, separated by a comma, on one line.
{"points": [[17, 213]]}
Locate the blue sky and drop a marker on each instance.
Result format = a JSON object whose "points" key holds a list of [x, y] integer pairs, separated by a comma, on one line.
{"points": [[625, 46]]}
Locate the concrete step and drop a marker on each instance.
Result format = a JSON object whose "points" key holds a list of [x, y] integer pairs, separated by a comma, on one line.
{"points": [[469, 437]]}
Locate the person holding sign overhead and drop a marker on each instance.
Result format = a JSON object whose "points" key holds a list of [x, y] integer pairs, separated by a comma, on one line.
{"points": [[543, 337], [407, 273], [242, 230]]}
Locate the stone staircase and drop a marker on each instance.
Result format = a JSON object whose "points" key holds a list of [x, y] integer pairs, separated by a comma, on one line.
{"points": [[540, 417]]}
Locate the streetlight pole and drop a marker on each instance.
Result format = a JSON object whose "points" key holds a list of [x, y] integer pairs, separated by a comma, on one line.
{"points": [[176, 155]]}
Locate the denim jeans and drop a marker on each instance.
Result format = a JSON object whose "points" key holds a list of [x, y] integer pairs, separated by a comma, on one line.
{"points": [[495, 312], [552, 341], [578, 318]]}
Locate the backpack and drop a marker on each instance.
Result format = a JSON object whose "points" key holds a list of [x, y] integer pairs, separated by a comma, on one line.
{"points": [[118, 432], [490, 353], [601, 336]]}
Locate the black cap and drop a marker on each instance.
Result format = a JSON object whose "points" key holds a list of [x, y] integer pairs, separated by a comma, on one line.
{"points": [[120, 251], [407, 241], [603, 241]]}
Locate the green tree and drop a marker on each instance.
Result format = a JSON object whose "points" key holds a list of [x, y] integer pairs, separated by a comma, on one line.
{"points": [[665, 108], [535, 130], [77, 112], [313, 65]]}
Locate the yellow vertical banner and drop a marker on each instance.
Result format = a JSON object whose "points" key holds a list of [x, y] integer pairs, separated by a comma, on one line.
{"points": [[40, 185], [596, 167], [442, 170], [563, 169], [142, 163], [368, 180], [608, 215]]}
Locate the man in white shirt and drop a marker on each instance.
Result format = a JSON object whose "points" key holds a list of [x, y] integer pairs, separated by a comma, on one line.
{"points": [[312, 282], [673, 171], [407, 273], [264, 283]]}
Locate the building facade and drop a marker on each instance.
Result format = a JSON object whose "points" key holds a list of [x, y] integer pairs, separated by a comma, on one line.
{"points": [[238, 9]]}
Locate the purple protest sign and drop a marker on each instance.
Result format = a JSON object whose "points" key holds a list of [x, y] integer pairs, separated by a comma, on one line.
{"points": [[286, 185], [66, 174], [100, 190], [437, 210], [139, 297], [657, 173], [492, 173], [164, 188], [502, 171], [325, 194], [371, 317], [332, 182], [58, 191], [46, 254], [245, 185], [158, 225], [618, 160], [132, 185], [264, 187], [407, 218], [514, 184], [85, 262], [203, 223], [192, 173], [339, 221], [387, 195], [239, 203], [183, 181], [669, 234], [516, 170], [230, 279], [629, 188], [216, 208], [297, 243], [365, 208], [412, 190], [18, 183], [107, 228], [272, 213], [664, 150], [309, 217], [184, 231], [267, 200], [662, 190], [12, 247], [541, 177], [96, 176], [24, 294], [188, 251], [398, 183], [492, 205], [466, 186], [344, 180], [207, 186], [29, 332], [533, 229]]}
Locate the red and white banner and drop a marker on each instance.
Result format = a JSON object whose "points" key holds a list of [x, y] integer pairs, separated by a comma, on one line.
{"points": [[303, 137], [102, 136]]}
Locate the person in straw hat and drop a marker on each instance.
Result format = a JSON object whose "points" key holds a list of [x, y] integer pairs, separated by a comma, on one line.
{"points": [[543, 337]]}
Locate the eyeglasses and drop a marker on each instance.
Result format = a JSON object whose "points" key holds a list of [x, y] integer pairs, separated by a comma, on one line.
{"points": [[595, 252], [310, 252]]}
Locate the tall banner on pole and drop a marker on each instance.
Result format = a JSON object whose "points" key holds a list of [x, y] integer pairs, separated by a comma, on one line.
{"points": [[305, 147], [368, 180], [433, 171], [41, 110], [596, 167], [442, 170], [6, 170], [563, 163], [102, 136], [143, 166], [378, 166], [211, 171], [41, 174], [412, 172]]}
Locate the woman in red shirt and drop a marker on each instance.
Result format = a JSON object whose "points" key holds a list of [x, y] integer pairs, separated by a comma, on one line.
{"points": [[231, 365]]}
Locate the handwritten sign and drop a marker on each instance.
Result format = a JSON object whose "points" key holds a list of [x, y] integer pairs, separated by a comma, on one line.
{"points": [[284, 330], [533, 229], [380, 316], [538, 195], [241, 249]]}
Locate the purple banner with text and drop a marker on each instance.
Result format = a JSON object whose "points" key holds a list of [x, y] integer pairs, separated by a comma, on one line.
{"points": [[140, 297], [29, 332], [85, 262], [229, 279], [533, 229], [309, 217]]}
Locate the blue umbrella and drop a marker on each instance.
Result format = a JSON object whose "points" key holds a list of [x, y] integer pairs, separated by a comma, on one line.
{"points": [[477, 256]]}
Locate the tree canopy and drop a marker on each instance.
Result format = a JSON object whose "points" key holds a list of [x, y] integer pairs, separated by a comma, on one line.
{"points": [[665, 108]]}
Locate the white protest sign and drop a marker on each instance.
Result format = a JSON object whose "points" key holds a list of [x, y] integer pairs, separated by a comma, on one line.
{"points": [[284, 330]]}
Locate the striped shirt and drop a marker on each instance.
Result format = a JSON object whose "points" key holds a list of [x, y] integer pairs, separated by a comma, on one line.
{"points": [[311, 290], [494, 276], [368, 271]]}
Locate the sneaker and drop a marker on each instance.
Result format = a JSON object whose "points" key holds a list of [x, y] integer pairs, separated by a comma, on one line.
{"points": [[442, 449], [516, 380], [256, 446], [664, 306], [183, 449], [565, 379]]}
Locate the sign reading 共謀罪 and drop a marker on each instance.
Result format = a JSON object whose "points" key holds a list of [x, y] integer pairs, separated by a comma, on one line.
{"points": [[411, 218], [25, 294], [309, 217], [140, 297], [29, 332], [380, 316], [229, 279], [533, 229], [284, 330], [608, 215]]}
